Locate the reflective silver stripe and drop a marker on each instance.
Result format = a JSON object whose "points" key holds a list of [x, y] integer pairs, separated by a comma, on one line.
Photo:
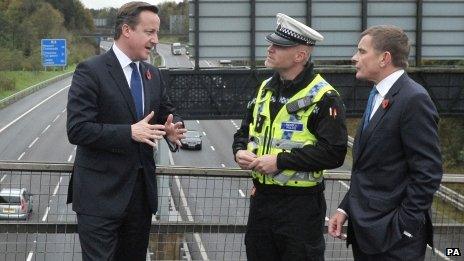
{"points": [[286, 144], [282, 144], [297, 176]]}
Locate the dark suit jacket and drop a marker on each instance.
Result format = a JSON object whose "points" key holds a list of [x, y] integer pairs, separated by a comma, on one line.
{"points": [[100, 113], [396, 170]]}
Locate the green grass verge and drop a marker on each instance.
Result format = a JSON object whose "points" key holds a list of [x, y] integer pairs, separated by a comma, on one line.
{"points": [[25, 79]]}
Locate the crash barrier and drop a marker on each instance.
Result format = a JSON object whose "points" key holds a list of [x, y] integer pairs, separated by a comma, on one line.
{"points": [[202, 214]]}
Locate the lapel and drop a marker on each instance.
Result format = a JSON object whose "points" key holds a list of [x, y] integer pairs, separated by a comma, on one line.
{"points": [[145, 73], [115, 70], [363, 136], [356, 141]]}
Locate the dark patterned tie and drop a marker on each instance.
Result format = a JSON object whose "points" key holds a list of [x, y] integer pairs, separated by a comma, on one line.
{"points": [[370, 104], [136, 90]]}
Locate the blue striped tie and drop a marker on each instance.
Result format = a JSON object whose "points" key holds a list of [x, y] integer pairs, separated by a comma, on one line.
{"points": [[136, 90], [370, 104]]}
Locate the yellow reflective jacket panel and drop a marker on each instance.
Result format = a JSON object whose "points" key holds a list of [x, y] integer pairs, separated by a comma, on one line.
{"points": [[286, 131]]}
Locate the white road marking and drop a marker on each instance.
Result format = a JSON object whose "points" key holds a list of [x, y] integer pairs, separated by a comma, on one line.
{"points": [[223, 165], [29, 257], [212, 148], [21, 156], [56, 118], [201, 247], [4, 176], [64, 110], [241, 193], [204, 133], [46, 214], [33, 142], [235, 125], [198, 121], [183, 199], [57, 187], [31, 109], [46, 128], [70, 158]]}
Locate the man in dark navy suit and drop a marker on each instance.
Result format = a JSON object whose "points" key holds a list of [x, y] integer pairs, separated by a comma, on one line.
{"points": [[117, 111], [396, 157]]}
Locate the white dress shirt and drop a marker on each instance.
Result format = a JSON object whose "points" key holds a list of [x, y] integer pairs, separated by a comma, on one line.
{"points": [[383, 87], [125, 65]]}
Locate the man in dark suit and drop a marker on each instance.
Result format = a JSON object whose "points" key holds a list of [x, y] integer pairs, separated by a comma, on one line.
{"points": [[117, 111], [396, 157]]}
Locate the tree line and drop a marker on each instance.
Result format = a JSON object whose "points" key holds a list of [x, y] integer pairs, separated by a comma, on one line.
{"points": [[24, 23], [166, 9]]}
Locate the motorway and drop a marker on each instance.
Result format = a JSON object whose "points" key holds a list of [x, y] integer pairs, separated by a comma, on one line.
{"points": [[33, 129]]}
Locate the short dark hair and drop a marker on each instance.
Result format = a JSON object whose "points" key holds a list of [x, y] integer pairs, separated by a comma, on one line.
{"points": [[390, 38], [129, 14]]}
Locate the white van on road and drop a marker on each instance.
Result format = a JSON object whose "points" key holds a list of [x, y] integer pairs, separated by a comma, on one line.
{"points": [[176, 48]]}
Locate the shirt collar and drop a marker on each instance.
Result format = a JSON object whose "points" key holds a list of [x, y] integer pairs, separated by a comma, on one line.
{"points": [[384, 85], [123, 59]]}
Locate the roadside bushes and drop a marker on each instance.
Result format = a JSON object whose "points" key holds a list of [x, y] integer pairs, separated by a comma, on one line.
{"points": [[452, 142], [6, 84]]}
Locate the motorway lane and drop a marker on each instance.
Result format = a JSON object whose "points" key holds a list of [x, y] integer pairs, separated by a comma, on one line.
{"points": [[207, 199], [33, 129], [180, 61]]}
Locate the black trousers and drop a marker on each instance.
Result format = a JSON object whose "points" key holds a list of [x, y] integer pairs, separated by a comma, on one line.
{"points": [[407, 249], [286, 227], [124, 238]]}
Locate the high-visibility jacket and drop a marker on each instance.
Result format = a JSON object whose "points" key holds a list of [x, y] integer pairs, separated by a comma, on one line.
{"points": [[286, 131]]}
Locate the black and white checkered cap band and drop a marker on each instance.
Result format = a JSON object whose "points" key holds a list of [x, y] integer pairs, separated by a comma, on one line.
{"points": [[294, 36]]}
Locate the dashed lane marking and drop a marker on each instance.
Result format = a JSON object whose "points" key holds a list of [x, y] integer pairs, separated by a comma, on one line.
{"points": [[46, 128], [21, 156], [33, 142], [56, 118], [46, 214], [31, 109]]}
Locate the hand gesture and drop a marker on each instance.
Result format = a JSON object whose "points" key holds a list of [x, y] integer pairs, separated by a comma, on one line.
{"points": [[145, 132], [266, 164], [244, 158], [174, 131]]}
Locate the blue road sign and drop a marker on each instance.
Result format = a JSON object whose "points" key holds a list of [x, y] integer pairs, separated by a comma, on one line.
{"points": [[54, 52]]}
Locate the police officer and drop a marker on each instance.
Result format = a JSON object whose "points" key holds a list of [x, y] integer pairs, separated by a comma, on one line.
{"points": [[294, 129]]}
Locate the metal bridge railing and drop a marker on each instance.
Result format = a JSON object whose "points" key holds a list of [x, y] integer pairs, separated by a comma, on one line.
{"points": [[202, 215]]}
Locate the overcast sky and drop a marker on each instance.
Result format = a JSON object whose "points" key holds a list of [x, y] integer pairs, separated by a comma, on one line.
{"points": [[98, 4]]}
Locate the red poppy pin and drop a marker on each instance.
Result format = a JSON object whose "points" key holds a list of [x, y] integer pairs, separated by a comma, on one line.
{"points": [[385, 103], [148, 74]]}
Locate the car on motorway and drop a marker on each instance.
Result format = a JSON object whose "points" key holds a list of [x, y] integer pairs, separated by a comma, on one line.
{"points": [[192, 140], [176, 48], [15, 203]]}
